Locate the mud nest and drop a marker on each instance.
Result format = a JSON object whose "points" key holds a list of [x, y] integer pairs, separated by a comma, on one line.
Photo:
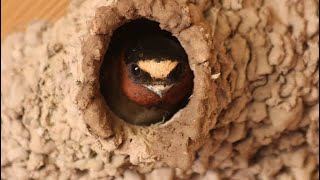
{"points": [[253, 112]]}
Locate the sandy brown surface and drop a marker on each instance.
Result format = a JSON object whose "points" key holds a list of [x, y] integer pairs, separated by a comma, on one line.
{"points": [[17, 14], [253, 113]]}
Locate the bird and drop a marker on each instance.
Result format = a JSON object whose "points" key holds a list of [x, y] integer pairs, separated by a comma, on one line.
{"points": [[147, 79]]}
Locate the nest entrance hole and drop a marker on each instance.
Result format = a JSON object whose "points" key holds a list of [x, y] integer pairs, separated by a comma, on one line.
{"points": [[135, 28]]}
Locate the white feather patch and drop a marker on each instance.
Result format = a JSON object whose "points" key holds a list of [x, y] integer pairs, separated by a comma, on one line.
{"points": [[159, 70]]}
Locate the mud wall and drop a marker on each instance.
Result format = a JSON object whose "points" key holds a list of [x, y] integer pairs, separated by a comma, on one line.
{"points": [[253, 113]]}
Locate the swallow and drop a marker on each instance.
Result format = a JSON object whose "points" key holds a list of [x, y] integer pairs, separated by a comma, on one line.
{"points": [[148, 80]]}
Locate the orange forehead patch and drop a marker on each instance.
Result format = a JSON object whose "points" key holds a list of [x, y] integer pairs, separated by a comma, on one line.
{"points": [[158, 70]]}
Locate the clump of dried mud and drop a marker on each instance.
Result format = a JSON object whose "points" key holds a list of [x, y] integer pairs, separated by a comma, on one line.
{"points": [[257, 72]]}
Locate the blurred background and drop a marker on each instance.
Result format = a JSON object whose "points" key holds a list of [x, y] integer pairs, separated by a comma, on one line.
{"points": [[17, 14]]}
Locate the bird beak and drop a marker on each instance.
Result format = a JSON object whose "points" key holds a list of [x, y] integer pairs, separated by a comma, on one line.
{"points": [[160, 90]]}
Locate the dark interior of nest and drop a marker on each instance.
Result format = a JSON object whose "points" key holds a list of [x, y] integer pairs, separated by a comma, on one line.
{"points": [[110, 77]]}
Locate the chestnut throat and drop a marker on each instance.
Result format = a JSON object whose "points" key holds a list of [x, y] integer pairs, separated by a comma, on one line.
{"points": [[142, 96]]}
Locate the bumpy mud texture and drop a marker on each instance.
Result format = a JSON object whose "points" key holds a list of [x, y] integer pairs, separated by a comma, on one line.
{"points": [[253, 114]]}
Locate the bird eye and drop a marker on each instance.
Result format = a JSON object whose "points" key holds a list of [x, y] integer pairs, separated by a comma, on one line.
{"points": [[135, 70]]}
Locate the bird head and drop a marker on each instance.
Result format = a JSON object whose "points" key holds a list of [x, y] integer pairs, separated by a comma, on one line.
{"points": [[155, 71]]}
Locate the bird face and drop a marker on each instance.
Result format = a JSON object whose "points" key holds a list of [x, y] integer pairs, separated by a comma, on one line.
{"points": [[158, 77], [155, 72]]}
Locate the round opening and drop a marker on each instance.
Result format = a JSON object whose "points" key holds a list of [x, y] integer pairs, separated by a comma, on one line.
{"points": [[145, 77]]}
